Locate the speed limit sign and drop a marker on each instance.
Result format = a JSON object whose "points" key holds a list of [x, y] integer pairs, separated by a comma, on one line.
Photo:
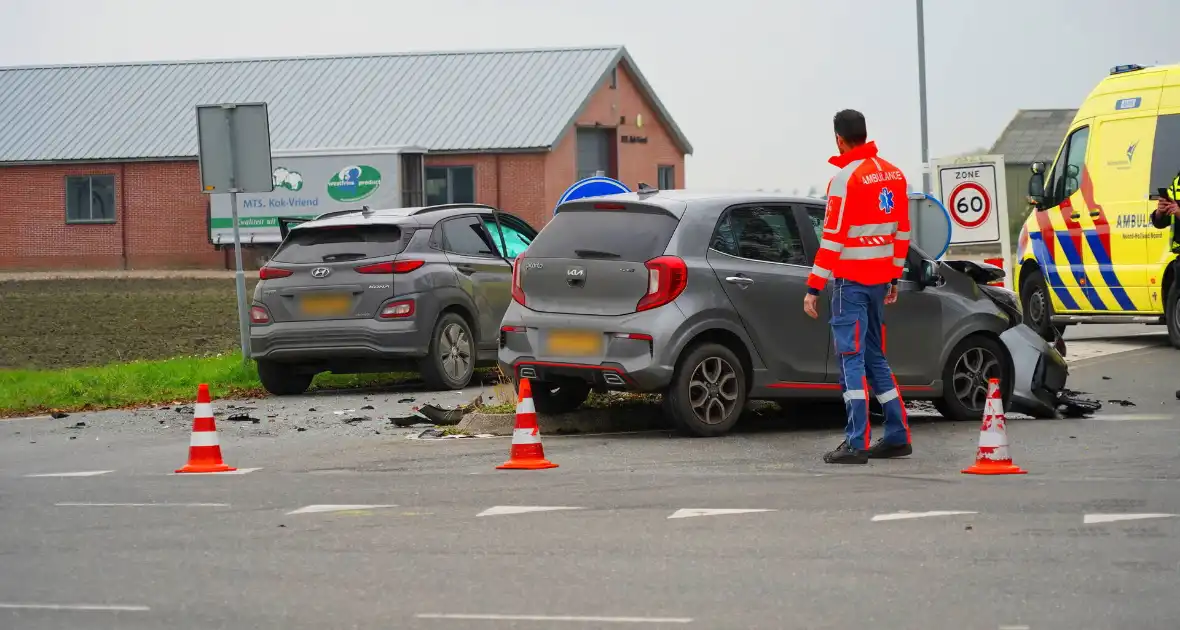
{"points": [[970, 204], [972, 190]]}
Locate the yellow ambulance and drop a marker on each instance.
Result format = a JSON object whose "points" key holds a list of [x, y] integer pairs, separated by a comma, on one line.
{"points": [[1088, 252]]}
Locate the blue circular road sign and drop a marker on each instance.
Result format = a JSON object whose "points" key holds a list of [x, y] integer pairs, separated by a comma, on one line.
{"points": [[592, 187]]}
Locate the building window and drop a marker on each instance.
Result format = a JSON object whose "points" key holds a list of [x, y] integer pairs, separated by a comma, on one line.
{"points": [[90, 199], [667, 178], [450, 184], [614, 78]]}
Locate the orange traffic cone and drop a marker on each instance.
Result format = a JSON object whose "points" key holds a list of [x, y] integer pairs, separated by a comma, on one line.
{"points": [[204, 450], [992, 458], [527, 452]]}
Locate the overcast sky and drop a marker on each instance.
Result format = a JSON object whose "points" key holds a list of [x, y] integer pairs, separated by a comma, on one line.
{"points": [[753, 83]]}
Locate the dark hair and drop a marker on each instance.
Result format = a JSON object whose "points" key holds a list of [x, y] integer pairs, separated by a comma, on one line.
{"points": [[850, 125]]}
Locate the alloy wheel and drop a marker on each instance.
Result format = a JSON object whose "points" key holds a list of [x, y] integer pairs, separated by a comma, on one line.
{"points": [[1036, 307], [713, 390], [970, 377], [455, 351]]}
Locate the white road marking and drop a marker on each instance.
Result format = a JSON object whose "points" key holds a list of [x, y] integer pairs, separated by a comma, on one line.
{"points": [[141, 505], [555, 618], [501, 510], [1014, 628], [240, 471], [1129, 417], [691, 512], [1093, 519], [80, 607], [1082, 350], [85, 473], [901, 516], [320, 509]]}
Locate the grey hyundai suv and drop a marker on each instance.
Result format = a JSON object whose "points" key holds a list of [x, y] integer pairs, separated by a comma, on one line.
{"points": [[365, 290], [700, 297]]}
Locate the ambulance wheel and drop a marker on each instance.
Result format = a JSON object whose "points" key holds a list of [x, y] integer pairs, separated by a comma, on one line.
{"points": [[1038, 307], [1172, 314]]}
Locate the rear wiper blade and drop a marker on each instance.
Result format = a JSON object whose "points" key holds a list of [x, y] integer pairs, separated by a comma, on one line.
{"points": [[338, 257], [594, 253]]}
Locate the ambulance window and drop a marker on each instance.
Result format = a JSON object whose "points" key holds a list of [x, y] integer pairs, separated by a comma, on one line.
{"points": [[1165, 159], [1075, 161]]}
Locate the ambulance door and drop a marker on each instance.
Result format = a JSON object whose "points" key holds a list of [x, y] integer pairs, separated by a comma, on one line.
{"points": [[1111, 205], [1058, 240], [1165, 166]]}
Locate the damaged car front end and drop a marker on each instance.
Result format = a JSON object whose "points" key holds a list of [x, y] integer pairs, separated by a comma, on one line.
{"points": [[1040, 369]]}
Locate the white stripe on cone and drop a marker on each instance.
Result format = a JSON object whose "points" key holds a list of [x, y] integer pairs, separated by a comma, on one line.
{"points": [[204, 438], [203, 410], [526, 406], [525, 436]]}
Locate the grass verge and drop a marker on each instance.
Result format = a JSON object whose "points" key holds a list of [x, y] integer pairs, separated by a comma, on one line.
{"points": [[140, 383]]}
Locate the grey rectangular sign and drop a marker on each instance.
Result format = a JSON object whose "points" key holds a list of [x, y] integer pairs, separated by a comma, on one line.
{"points": [[234, 148]]}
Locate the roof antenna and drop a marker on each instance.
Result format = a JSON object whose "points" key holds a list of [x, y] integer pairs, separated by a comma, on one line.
{"points": [[644, 189], [366, 210]]}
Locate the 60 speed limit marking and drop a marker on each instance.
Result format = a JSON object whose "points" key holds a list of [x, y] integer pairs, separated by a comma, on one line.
{"points": [[970, 205]]}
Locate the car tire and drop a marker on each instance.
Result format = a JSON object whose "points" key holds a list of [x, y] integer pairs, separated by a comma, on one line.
{"points": [[559, 397], [1038, 306], [985, 358], [283, 379], [450, 361], [713, 375], [1172, 314]]}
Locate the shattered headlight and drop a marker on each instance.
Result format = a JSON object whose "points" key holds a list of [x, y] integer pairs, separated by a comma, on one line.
{"points": [[1008, 302]]}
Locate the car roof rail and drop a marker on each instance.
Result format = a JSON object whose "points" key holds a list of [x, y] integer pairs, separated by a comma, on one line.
{"points": [[449, 206]]}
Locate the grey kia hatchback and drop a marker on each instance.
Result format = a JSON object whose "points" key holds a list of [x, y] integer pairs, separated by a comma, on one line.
{"points": [[365, 290], [700, 297]]}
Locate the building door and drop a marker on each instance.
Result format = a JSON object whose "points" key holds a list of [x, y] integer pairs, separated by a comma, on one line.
{"points": [[595, 149]]}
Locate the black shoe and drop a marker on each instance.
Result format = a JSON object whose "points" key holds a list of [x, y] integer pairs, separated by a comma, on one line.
{"points": [[883, 450], [845, 454]]}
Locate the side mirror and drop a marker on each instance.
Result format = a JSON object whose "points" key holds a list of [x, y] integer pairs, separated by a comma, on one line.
{"points": [[928, 275], [1036, 185]]}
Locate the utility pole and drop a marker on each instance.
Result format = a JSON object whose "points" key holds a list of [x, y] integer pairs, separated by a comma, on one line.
{"points": [[922, 99]]}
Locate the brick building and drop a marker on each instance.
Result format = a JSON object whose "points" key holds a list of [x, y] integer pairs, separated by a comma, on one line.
{"points": [[98, 163]]}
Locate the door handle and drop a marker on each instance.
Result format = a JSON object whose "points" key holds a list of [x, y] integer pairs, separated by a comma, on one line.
{"points": [[1095, 213], [465, 269], [1076, 215], [740, 280]]}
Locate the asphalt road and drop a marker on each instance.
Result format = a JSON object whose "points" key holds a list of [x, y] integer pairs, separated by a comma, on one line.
{"points": [[428, 537]]}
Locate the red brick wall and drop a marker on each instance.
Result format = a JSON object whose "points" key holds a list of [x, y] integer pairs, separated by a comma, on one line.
{"points": [[519, 188], [636, 162], [160, 216]]}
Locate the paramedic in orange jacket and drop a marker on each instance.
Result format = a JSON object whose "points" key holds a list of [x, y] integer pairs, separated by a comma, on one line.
{"points": [[866, 236]]}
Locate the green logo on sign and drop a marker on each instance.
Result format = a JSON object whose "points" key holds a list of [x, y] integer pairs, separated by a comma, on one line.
{"points": [[354, 183]]}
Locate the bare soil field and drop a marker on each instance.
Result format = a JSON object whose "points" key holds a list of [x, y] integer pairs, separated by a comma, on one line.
{"points": [[99, 318]]}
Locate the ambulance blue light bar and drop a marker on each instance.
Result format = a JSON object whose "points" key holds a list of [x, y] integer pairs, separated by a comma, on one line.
{"points": [[1129, 67]]}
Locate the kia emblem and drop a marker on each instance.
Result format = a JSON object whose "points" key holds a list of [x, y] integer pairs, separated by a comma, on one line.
{"points": [[320, 272]]}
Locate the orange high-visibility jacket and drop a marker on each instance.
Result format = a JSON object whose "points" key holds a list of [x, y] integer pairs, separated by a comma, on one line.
{"points": [[867, 223]]}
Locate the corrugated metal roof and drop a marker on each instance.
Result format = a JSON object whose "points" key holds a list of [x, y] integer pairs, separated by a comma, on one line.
{"points": [[443, 101], [1034, 135]]}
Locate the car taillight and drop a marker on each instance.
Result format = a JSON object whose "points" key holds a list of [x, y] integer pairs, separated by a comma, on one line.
{"points": [[258, 315], [270, 273], [396, 310], [666, 278], [634, 336], [393, 266], [517, 291], [609, 206]]}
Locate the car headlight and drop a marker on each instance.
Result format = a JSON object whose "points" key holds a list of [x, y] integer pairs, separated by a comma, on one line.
{"points": [[1007, 300]]}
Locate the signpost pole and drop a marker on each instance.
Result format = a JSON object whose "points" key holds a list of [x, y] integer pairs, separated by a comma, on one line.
{"points": [[239, 272], [922, 99]]}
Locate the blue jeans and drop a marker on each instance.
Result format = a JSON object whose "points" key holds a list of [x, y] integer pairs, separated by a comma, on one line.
{"points": [[858, 328]]}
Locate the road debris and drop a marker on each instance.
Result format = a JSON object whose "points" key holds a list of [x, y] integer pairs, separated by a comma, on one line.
{"points": [[243, 417]]}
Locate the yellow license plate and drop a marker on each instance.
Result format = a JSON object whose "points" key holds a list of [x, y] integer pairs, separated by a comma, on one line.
{"points": [[571, 343], [332, 304]]}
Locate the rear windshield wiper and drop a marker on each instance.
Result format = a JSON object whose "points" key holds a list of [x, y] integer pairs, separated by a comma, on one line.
{"points": [[340, 257], [594, 253]]}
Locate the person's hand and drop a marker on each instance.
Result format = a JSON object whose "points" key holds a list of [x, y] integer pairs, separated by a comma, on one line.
{"points": [[891, 297], [809, 302], [1167, 207]]}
